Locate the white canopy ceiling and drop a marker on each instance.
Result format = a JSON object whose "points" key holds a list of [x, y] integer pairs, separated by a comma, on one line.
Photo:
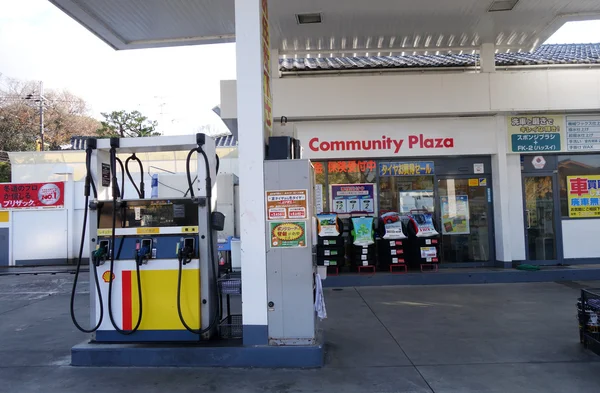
{"points": [[347, 27]]}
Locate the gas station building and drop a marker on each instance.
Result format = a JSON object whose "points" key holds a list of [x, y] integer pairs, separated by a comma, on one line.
{"points": [[425, 101]]}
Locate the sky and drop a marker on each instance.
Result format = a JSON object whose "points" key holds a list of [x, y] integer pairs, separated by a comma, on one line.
{"points": [[178, 87]]}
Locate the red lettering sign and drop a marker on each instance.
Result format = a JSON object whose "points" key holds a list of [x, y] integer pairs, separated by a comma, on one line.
{"points": [[32, 195], [384, 143]]}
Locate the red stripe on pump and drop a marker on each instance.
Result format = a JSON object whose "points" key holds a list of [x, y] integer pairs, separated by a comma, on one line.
{"points": [[126, 297]]}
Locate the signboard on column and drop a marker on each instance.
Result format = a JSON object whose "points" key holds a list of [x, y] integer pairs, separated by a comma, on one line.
{"points": [[266, 64], [536, 133]]}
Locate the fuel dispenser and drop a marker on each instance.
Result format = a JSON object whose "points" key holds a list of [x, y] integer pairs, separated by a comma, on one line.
{"points": [[153, 262]]}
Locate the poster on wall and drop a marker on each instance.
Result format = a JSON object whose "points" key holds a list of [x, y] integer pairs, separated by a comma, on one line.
{"points": [[349, 198], [319, 198], [288, 234], [583, 196], [583, 133], [535, 133], [455, 215], [286, 204], [32, 195]]}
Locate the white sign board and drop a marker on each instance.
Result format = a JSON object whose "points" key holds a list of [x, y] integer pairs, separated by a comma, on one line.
{"points": [[389, 138]]}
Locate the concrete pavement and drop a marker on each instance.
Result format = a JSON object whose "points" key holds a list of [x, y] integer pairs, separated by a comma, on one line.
{"points": [[469, 338]]}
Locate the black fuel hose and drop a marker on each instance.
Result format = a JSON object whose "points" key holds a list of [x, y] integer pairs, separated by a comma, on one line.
{"points": [[140, 190], [196, 177], [212, 263], [122, 191], [115, 195], [89, 181]]}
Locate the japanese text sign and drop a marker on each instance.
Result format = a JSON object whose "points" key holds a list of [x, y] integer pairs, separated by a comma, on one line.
{"points": [[583, 196], [286, 204], [344, 166], [406, 168], [288, 234], [349, 198], [539, 133], [32, 195]]}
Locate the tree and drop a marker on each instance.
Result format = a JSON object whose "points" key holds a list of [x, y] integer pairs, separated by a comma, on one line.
{"points": [[127, 125], [65, 116], [4, 172]]}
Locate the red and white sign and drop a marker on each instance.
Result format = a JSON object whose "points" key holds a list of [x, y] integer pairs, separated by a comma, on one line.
{"points": [[538, 162], [286, 204], [32, 195], [389, 138]]}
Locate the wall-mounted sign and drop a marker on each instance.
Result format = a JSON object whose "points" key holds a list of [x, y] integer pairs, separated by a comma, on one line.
{"points": [[583, 133], [583, 196], [349, 198], [533, 134], [105, 175], [286, 205], [397, 138], [416, 168], [345, 166], [32, 195], [319, 198], [455, 215], [478, 168], [538, 162], [288, 234]]}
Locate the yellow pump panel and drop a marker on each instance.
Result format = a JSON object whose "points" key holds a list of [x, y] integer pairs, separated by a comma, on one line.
{"points": [[159, 297]]}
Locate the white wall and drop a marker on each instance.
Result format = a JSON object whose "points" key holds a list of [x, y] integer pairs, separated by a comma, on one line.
{"points": [[580, 238], [39, 235], [410, 94]]}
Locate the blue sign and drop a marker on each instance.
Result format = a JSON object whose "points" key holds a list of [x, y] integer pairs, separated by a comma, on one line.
{"points": [[536, 142], [415, 168]]}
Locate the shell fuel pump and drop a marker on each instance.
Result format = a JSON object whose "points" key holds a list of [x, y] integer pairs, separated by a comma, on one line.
{"points": [[153, 262]]}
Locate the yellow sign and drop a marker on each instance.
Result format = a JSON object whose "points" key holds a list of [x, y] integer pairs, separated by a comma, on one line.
{"points": [[583, 196], [473, 182], [3, 216], [189, 229], [288, 234], [104, 232], [147, 231], [536, 133]]}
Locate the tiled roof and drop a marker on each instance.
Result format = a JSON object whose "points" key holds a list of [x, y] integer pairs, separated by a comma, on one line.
{"points": [[226, 141], [545, 55]]}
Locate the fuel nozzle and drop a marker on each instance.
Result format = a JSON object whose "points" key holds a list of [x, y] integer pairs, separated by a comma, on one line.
{"points": [[186, 250], [100, 254], [143, 252]]}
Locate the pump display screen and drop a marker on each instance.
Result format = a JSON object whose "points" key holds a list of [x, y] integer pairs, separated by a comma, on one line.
{"points": [[150, 213]]}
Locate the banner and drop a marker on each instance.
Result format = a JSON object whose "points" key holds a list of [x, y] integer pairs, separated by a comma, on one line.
{"points": [[535, 133], [416, 168], [455, 215], [583, 196], [32, 195], [288, 234], [286, 204], [349, 198]]}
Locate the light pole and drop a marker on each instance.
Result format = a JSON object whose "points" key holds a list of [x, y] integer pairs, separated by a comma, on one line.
{"points": [[41, 101]]}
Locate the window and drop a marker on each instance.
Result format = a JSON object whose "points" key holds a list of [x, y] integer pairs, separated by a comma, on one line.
{"points": [[584, 193]]}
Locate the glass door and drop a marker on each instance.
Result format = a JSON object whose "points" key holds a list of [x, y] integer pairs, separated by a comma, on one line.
{"points": [[540, 218], [465, 220]]}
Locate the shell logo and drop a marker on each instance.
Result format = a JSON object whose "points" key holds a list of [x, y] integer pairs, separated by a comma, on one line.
{"points": [[106, 276]]}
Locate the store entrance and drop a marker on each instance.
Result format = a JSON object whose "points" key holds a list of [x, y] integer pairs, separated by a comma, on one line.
{"points": [[465, 219], [541, 211]]}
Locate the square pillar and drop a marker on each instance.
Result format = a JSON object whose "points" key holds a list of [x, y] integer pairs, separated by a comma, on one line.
{"points": [[501, 195], [487, 55], [254, 104]]}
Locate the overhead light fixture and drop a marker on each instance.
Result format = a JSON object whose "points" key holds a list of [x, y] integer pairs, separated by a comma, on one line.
{"points": [[305, 19], [502, 5]]}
